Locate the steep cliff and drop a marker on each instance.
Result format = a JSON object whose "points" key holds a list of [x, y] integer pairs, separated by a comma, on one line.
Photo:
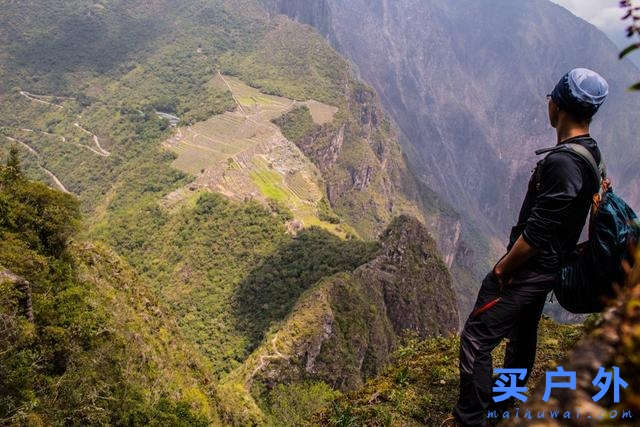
{"points": [[365, 174], [465, 81], [420, 385], [100, 339]]}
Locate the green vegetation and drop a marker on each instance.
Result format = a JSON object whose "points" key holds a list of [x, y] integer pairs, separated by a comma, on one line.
{"points": [[70, 313], [293, 62], [269, 292], [325, 212], [420, 387], [228, 269], [340, 331], [140, 327], [270, 184], [295, 124], [291, 404], [626, 349]]}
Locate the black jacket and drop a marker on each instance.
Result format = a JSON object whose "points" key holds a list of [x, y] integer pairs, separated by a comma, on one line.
{"points": [[556, 206]]}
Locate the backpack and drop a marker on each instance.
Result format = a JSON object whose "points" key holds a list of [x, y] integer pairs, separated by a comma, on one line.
{"points": [[587, 276]]}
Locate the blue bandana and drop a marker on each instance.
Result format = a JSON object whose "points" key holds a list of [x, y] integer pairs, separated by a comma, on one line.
{"points": [[581, 92]]}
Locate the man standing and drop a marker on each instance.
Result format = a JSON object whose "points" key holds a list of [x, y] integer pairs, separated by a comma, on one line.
{"points": [[553, 214]]}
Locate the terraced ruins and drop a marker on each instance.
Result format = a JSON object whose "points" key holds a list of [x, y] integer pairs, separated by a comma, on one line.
{"points": [[242, 154]]}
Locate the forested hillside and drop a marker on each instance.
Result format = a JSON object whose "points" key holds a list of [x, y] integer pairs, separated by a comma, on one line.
{"points": [[84, 340], [224, 167]]}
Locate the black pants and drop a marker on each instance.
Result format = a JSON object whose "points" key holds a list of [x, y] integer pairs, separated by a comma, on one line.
{"points": [[516, 317]]}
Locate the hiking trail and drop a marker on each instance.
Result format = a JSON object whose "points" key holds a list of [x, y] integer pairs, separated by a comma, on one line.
{"points": [[101, 151], [263, 360], [53, 177]]}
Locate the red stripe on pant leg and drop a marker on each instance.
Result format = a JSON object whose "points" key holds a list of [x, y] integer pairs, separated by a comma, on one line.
{"points": [[485, 307]]}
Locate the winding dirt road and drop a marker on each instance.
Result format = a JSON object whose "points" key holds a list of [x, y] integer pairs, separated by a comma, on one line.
{"points": [[64, 140], [54, 178], [101, 151], [33, 98], [36, 98]]}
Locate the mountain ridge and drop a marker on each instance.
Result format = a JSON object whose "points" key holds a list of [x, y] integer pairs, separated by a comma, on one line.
{"points": [[344, 328], [434, 86]]}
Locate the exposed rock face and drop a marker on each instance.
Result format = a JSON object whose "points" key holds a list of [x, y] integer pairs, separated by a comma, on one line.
{"points": [[358, 317], [368, 181], [344, 329], [413, 281], [465, 81], [366, 177]]}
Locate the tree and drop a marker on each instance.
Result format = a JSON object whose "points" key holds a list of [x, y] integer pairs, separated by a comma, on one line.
{"points": [[633, 30], [12, 170]]}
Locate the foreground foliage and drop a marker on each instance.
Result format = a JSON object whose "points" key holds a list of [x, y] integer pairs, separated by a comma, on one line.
{"points": [[420, 387], [70, 313]]}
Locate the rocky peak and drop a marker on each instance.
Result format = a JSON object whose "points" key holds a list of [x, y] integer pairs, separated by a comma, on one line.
{"points": [[414, 280], [344, 329], [406, 233]]}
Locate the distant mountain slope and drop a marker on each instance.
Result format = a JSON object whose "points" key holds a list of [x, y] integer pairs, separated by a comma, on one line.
{"points": [[102, 94], [466, 82]]}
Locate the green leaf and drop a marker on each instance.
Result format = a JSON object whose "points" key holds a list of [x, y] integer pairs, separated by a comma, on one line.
{"points": [[629, 49]]}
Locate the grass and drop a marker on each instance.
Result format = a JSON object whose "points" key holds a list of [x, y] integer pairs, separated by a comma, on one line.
{"points": [[420, 386], [271, 184], [321, 113]]}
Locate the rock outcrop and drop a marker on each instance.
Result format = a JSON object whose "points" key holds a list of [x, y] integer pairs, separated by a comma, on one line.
{"points": [[343, 330]]}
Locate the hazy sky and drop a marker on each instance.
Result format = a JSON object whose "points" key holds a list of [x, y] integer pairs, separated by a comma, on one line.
{"points": [[604, 14]]}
